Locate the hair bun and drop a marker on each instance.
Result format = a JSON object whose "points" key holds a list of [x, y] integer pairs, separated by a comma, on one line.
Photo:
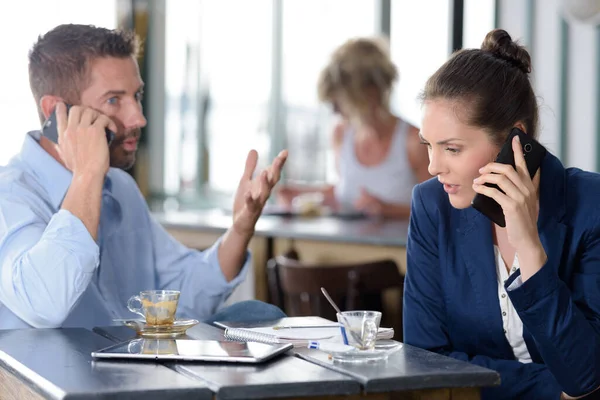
{"points": [[499, 43]]}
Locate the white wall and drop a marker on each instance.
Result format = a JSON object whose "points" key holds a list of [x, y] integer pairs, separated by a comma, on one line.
{"points": [[582, 76], [409, 36], [582, 105], [513, 17], [546, 60]]}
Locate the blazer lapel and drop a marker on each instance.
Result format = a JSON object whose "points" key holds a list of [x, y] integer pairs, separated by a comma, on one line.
{"points": [[551, 229], [476, 250], [552, 235]]}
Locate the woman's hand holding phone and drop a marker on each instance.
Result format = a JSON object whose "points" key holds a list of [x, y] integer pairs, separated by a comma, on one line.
{"points": [[520, 205], [82, 140]]}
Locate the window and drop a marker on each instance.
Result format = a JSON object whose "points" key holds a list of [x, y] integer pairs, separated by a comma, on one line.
{"points": [[236, 53], [219, 62], [478, 21], [182, 95], [258, 65], [23, 23], [231, 46], [312, 30], [419, 46]]}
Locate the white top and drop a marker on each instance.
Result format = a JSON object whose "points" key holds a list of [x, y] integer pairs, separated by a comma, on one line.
{"points": [[392, 180], [513, 326]]}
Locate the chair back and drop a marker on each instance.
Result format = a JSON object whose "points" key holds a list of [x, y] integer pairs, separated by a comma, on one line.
{"points": [[296, 287]]}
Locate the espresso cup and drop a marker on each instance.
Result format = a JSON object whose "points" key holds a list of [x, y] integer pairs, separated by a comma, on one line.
{"points": [[364, 325], [158, 307]]}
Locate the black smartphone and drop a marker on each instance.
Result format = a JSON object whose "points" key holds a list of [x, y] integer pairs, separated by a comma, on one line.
{"points": [[534, 153], [50, 128]]}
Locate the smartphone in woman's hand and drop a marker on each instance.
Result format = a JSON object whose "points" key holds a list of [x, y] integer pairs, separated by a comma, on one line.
{"points": [[534, 153]]}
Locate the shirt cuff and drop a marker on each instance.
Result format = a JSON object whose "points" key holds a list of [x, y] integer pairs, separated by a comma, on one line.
{"points": [[541, 284], [212, 258], [70, 231]]}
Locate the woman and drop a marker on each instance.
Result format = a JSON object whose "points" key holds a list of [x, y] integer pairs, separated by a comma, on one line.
{"points": [[523, 300], [378, 156]]}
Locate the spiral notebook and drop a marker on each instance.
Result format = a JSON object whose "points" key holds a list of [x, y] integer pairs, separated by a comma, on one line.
{"points": [[295, 330]]}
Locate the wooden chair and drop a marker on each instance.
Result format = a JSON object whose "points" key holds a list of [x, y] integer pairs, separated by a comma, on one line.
{"points": [[296, 288]]}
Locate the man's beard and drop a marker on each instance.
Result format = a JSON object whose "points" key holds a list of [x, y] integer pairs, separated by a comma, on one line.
{"points": [[119, 158], [122, 162]]}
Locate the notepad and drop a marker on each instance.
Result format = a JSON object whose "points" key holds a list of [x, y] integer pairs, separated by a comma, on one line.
{"points": [[313, 328]]}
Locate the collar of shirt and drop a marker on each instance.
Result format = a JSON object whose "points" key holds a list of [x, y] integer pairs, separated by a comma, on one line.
{"points": [[52, 175]]}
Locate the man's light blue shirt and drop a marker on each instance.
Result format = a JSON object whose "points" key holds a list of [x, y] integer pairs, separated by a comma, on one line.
{"points": [[52, 272]]}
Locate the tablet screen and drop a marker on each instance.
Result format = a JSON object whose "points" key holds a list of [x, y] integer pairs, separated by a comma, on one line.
{"points": [[196, 350]]}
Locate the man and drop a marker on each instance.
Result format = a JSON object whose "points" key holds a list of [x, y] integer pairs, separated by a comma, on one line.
{"points": [[76, 236]]}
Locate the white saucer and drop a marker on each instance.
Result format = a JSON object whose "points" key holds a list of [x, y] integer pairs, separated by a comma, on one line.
{"points": [[178, 328], [381, 352]]}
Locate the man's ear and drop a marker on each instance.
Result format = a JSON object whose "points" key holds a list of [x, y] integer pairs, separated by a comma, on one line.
{"points": [[48, 104], [521, 126]]}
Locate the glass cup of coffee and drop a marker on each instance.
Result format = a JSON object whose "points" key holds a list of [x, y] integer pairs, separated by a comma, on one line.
{"points": [[158, 307], [360, 328]]}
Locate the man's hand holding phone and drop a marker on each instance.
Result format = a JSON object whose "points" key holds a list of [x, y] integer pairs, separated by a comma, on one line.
{"points": [[82, 140], [82, 146]]}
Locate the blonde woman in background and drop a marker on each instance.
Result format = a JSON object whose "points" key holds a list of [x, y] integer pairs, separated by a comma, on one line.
{"points": [[378, 155]]}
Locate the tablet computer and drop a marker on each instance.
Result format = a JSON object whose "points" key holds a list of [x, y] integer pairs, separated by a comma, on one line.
{"points": [[193, 350]]}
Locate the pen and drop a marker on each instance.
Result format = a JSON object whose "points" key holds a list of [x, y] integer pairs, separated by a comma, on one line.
{"points": [[344, 337], [278, 327], [330, 347]]}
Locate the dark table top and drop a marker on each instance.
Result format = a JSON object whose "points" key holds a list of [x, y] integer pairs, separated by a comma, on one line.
{"points": [[410, 368], [282, 377], [332, 229], [57, 364]]}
